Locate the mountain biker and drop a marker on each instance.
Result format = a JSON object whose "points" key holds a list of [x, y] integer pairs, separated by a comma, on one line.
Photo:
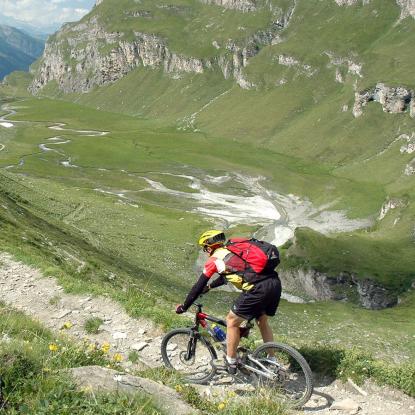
{"points": [[258, 300]]}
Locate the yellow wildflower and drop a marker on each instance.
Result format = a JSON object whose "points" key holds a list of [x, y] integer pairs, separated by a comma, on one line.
{"points": [[67, 325], [86, 389], [118, 357], [53, 347], [106, 347], [92, 347], [231, 394], [179, 388], [221, 406]]}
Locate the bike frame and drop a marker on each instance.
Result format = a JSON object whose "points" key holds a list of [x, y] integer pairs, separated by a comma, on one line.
{"points": [[201, 319]]}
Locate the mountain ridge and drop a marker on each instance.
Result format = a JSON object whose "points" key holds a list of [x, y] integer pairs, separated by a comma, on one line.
{"points": [[146, 49], [18, 50]]}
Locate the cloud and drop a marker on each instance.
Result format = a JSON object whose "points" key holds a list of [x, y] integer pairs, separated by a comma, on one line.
{"points": [[45, 13]]}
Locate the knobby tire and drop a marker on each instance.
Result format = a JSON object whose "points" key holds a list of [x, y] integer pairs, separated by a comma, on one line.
{"points": [[300, 361], [204, 350]]}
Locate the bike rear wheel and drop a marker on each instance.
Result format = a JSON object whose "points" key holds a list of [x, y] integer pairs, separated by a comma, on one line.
{"points": [[293, 377], [189, 354]]}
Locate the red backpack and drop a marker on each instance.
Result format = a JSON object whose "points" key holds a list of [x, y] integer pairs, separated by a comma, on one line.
{"points": [[259, 258]]}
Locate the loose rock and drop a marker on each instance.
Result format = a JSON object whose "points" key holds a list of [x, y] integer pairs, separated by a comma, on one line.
{"points": [[99, 379], [346, 405]]}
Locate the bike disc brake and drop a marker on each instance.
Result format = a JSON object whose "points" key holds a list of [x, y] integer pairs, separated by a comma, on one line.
{"points": [[187, 362]]}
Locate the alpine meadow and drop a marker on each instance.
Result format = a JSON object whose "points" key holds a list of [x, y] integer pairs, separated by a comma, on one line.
{"points": [[148, 122]]}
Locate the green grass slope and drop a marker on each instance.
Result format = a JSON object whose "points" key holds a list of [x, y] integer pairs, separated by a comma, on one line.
{"points": [[52, 213], [32, 367], [292, 113], [34, 231]]}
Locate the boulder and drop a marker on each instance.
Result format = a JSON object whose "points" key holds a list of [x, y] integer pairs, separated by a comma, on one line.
{"points": [[393, 99], [375, 297], [99, 379], [346, 405]]}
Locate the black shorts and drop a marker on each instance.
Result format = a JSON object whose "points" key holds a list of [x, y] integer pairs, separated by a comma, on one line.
{"points": [[262, 299]]}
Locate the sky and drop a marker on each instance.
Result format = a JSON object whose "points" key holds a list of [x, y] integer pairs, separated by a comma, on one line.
{"points": [[44, 14]]}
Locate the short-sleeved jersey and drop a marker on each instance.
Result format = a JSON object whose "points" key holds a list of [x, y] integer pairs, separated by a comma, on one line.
{"points": [[219, 263]]}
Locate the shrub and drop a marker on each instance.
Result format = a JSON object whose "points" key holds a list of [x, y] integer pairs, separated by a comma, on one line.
{"points": [[92, 325]]}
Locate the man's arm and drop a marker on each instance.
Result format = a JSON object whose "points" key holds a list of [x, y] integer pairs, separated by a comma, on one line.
{"points": [[196, 290], [218, 282], [209, 269]]}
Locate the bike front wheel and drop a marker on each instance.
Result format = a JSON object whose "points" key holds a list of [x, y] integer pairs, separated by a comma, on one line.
{"points": [[285, 372], [188, 353]]}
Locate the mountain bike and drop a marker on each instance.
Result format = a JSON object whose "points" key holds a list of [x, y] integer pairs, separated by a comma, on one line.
{"points": [[193, 352]]}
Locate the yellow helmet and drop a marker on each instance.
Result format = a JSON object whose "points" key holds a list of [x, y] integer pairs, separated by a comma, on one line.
{"points": [[211, 238]]}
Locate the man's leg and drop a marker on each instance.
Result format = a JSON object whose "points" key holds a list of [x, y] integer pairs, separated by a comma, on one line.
{"points": [[265, 329], [233, 335], [266, 332]]}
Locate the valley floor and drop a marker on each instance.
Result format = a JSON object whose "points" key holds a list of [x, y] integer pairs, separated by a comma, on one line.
{"points": [[26, 289]]}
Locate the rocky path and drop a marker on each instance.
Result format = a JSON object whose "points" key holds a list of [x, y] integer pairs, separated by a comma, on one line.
{"points": [[42, 298]]}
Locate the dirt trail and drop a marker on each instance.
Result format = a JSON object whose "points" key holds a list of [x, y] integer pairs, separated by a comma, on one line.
{"points": [[42, 298]]}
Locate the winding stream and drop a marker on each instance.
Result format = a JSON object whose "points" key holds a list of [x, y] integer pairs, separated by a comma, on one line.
{"points": [[82, 133], [6, 124], [3, 119], [52, 141]]}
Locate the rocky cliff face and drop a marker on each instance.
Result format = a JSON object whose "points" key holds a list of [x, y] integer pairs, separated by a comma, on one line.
{"points": [[342, 287], [389, 205], [242, 5], [77, 57], [346, 2], [290, 61], [88, 67], [407, 8], [345, 65], [409, 147], [393, 99], [410, 168]]}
